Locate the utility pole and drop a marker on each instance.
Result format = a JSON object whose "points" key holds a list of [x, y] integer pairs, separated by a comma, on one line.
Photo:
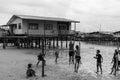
{"points": [[43, 56]]}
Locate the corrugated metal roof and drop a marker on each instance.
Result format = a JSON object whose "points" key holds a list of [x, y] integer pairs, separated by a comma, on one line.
{"points": [[45, 18]]}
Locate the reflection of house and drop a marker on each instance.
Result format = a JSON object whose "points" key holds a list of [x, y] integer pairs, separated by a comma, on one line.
{"points": [[25, 24]]}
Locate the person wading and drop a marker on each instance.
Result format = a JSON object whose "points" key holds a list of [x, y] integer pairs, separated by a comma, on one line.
{"points": [[71, 52], [99, 61], [40, 58], [115, 62], [77, 58]]}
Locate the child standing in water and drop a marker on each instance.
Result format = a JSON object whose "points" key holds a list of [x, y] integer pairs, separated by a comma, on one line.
{"points": [[115, 62], [71, 52], [56, 55], [77, 58], [99, 61]]}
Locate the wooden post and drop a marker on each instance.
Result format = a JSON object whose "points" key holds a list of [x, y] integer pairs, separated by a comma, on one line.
{"points": [[27, 42], [57, 42], [4, 44], [21, 43], [39, 42], [31, 43], [4, 41], [53, 43], [36, 43], [18, 43], [61, 42], [49, 43], [45, 40], [66, 42]]}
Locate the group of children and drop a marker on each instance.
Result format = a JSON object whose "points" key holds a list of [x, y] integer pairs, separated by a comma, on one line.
{"points": [[75, 54], [75, 58], [30, 72], [115, 61]]}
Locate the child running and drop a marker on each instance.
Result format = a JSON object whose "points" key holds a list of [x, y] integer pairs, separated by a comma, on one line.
{"points": [[30, 72], [40, 58], [99, 61], [77, 58]]}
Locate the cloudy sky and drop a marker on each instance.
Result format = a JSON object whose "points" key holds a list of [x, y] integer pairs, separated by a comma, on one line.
{"points": [[90, 13]]}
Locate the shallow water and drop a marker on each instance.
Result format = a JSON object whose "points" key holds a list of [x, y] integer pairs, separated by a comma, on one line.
{"points": [[13, 63]]}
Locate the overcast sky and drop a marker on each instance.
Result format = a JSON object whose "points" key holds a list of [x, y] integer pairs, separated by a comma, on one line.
{"points": [[90, 13]]}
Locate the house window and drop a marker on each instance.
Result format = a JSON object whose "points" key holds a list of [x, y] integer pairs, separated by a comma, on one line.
{"points": [[63, 27], [48, 27], [33, 26], [19, 26]]}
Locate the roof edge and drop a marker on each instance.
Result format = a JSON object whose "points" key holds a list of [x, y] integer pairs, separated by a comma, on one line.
{"points": [[20, 16]]}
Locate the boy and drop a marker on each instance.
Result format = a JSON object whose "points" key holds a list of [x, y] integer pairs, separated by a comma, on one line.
{"points": [[118, 60], [71, 52], [56, 55], [30, 72], [77, 58], [99, 61], [115, 62], [40, 58]]}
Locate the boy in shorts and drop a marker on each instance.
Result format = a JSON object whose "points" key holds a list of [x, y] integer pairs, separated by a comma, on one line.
{"points": [[40, 58], [115, 62], [56, 55], [77, 58], [71, 52], [99, 61]]}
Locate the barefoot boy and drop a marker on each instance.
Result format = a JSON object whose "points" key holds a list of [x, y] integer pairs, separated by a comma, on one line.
{"points": [[77, 58], [40, 58], [56, 55], [30, 72], [99, 61]]}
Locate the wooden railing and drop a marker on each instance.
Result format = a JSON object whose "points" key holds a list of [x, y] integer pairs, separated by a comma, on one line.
{"points": [[65, 32]]}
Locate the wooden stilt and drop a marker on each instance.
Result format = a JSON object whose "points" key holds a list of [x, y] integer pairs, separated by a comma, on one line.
{"points": [[66, 42], [53, 43], [31, 43], [49, 43], [45, 43], [35, 43], [39, 42], [61, 42], [57, 42], [4, 43]]}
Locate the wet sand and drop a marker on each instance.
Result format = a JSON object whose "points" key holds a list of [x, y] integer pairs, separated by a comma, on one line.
{"points": [[13, 64]]}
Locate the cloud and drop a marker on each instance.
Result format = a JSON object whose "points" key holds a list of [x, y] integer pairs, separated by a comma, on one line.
{"points": [[91, 13]]}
